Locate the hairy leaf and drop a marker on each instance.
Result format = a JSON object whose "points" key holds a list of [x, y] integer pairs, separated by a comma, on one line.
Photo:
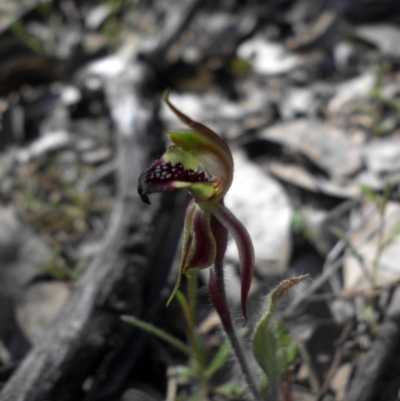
{"points": [[265, 343]]}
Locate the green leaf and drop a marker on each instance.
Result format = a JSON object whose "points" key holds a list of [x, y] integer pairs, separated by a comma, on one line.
{"points": [[386, 196], [264, 386], [283, 334], [197, 397], [272, 364], [340, 234], [371, 195], [201, 354], [26, 38], [219, 360], [264, 343], [230, 390], [157, 332], [394, 233], [291, 353], [185, 374], [298, 222]]}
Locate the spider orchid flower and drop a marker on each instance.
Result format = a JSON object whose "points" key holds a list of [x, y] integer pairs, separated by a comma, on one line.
{"points": [[201, 162]]}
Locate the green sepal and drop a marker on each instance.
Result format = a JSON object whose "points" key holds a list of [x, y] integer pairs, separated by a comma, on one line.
{"points": [[207, 147], [186, 244], [201, 191], [199, 248], [174, 155]]}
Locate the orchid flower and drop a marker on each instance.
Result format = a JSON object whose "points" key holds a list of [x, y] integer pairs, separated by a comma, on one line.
{"points": [[201, 162]]}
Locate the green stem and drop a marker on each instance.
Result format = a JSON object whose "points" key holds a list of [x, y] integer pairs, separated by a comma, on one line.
{"points": [[189, 310], [379, 248], [192, 293]]}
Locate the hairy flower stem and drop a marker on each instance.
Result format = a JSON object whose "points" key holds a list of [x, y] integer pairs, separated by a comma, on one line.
{"points": [[218, 298], [222, 308]]}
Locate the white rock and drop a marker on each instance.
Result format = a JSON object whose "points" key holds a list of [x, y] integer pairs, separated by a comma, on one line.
{"points": [[383, 155], [261, 204], [351, 91], [50, 142], [385, 37], [359, 278], [268, 58]]}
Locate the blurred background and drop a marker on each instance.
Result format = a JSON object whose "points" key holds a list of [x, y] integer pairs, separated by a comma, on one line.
{"points": [[307, 95]]}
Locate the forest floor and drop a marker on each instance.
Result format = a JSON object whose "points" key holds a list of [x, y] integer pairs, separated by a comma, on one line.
{"points": [[307, 96]]}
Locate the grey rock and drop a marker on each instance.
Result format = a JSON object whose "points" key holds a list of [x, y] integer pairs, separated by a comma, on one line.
{"points": [[38, 306], [20, 250], [96, 156], [382, 156]]}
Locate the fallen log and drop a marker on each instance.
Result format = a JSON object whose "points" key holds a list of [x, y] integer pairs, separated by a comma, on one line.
{"points": [[87, 336]]}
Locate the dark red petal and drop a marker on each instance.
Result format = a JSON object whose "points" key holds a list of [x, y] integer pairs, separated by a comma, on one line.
{"points": [[245, 248], [217, 295], [216, 283]]}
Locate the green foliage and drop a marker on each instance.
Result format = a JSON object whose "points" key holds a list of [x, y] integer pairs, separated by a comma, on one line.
{"points": [[150, 328], [299, 226], [395, 232], [238, 67], [230, 390], [382, 109], [342, 235], [271, 343], [52, 204], [40, 37], [272, 346], [384, 237], [379, 202], [199, 368], [18, 30], [371, 195], [57, 268], [218, 361], [113, 25], [197, 397]]}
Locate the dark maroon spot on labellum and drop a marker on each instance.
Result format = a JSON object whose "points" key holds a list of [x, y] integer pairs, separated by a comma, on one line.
{"points": [[161, 176]]}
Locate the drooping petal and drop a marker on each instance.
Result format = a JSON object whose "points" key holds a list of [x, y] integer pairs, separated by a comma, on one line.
{"points": [[199, 249], [216, 284], [218, 298], [208, 149], [220, 233], [175, 170], [245, 249]]}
